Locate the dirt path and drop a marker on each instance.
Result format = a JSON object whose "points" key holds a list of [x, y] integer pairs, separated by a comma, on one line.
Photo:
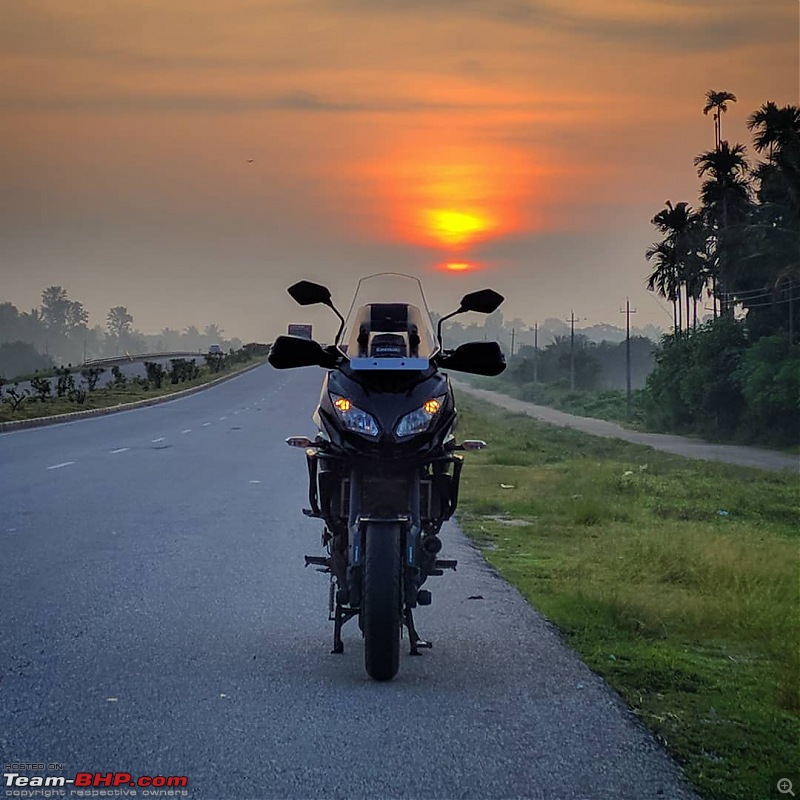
{"points": [[680, 445]]}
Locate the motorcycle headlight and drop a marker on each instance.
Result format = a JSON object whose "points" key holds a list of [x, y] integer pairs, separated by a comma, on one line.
{"points": [[419, 420], [354, 418]]}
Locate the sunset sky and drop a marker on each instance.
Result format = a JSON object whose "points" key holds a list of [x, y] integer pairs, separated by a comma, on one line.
{"points": [[189, 160]]}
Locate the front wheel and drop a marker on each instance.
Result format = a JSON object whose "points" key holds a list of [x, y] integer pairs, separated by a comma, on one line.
{"points": [[381, 600]]}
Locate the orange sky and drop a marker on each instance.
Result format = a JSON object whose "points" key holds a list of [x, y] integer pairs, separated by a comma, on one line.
{"points": [[532, 141]]}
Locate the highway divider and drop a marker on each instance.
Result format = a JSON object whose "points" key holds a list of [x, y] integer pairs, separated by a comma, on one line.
{"points": [[55, 419]]}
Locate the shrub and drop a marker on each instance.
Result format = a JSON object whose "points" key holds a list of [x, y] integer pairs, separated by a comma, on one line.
{"points": [[91, 375], [66, 383], [155, 373], [42, 388]]}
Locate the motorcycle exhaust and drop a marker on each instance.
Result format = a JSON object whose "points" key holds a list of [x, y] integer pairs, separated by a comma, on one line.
{"points": [[432, 545]]}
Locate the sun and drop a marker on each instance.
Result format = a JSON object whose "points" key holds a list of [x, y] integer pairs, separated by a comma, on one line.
{"points": [[454, 227]]}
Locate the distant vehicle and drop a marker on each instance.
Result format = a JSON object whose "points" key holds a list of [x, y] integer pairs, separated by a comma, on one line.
{"points": [[215, 350], [304, 331]]}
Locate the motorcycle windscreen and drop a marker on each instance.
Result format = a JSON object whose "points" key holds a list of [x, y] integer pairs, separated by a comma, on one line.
{"points": [[388, 326]]}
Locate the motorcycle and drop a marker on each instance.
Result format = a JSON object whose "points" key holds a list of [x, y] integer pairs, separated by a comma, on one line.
{"points": [[384, 467]]}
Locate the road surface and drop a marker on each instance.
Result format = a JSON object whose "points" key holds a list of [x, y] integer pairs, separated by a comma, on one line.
{"points": [[156, 619], [669, 443]]}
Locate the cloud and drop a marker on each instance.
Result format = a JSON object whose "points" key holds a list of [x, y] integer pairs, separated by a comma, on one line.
{"points": [[680, 26], [226, 103]]}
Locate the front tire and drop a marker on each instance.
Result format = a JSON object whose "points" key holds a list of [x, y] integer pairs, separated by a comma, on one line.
{"points": [[381, 601]]}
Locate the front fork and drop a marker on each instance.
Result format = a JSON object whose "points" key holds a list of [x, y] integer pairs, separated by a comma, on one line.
{"points": [[412, 530], [346, 601]]}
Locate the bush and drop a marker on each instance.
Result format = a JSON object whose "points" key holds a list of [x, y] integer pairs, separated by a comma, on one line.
{"points": [[65, 383], [155, 373], [716, 383], [91, 375], [42, 388], [119, 377], [183, 370], [215, 361], [769, 375]]}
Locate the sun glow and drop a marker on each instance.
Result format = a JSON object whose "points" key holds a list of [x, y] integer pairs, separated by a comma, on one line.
{"points": [[457, 266], [455, 196]]}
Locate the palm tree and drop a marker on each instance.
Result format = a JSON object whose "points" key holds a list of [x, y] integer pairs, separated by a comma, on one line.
{"points": [[775, 129], [718, 103], [678, 253], [773, 257], [213, 332], [726, 203], [664, 278]]}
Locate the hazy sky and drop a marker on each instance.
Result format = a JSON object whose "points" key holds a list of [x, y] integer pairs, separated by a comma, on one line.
{"points": [[530, 141]]}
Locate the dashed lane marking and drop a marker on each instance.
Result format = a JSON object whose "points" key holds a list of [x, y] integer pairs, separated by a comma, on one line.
{"points": [[64, 464], [206, 424], [120, 450], [188, 430], [156, 441]]}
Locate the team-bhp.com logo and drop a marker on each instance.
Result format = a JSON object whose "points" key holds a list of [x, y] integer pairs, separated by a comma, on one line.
{"points": [[94, 784]]}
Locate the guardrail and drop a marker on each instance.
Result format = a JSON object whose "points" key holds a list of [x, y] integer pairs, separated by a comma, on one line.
{"points": [[129, 358]]}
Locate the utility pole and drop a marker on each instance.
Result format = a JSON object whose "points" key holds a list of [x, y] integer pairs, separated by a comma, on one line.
{"points": [[627, 311], [536, 352], [513, 334], [572, 350]]}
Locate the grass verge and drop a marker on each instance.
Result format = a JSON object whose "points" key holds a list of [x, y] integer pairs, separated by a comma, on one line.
{"points": [[608, 404], [675, 580], [110, 396]]}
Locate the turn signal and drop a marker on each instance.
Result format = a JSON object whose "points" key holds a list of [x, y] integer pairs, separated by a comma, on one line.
{"points": [[432, 406], [343, 404]]}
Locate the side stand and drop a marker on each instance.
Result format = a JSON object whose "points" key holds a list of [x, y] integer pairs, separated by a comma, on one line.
{"points": [[413, 636], [341, 615]]}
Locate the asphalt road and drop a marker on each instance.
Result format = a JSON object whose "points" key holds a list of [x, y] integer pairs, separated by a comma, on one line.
{"points": [[687, 446], [156, 619]]}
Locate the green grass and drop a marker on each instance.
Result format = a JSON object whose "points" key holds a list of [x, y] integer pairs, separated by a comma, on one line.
{"points": [[608, 404], [107, 397], [675, 580]]}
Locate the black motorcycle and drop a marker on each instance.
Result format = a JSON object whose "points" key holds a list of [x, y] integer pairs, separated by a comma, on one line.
{"points": [[383, 469]]}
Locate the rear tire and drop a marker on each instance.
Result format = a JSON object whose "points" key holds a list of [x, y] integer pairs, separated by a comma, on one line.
{"points": [[381, 602]]}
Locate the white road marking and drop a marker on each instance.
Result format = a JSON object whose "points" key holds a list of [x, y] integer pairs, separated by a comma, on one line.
{"points": [[156, 441], [65, 464], [255, 481], [188, 430], [222, 418], [206, 424], [120, 450]]}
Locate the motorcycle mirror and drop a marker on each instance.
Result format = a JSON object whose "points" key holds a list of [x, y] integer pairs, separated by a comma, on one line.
{"points": [[477, 358], [483, 301], [288, 352], [306, 293]]}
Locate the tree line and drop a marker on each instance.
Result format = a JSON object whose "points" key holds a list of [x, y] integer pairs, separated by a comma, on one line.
{"points": [[58, 332], [736, 374]]}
